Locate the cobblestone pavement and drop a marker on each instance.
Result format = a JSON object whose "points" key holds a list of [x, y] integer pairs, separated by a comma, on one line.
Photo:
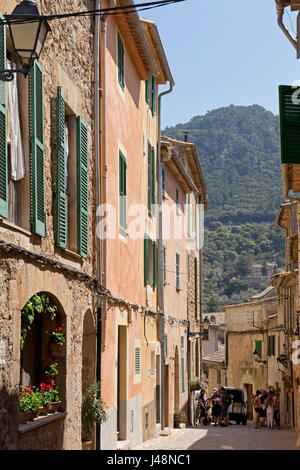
{"points": [[233, 437]]}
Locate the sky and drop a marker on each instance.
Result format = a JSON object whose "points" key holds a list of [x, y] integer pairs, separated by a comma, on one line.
{"points": [[222, 53]]}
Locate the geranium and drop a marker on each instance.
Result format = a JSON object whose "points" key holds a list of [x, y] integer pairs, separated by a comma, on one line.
{"points": [[29, 400], [57, 335], [51, 369]]}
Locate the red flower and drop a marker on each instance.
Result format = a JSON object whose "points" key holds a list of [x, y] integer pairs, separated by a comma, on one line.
{"points": [[59, 328], [49, 387]]}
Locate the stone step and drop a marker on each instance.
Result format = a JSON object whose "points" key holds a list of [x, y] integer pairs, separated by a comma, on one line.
{"points": [[123, 445]]}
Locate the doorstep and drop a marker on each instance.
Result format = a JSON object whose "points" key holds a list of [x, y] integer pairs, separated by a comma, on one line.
{"points": [[123, 445]]}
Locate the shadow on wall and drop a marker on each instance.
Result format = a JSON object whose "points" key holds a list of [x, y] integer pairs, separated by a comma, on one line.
{"points": [[8, 418]]}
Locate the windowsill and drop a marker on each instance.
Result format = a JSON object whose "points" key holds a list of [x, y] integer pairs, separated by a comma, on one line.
{"points": [[15, 228], [41, 421], [70, 254]]}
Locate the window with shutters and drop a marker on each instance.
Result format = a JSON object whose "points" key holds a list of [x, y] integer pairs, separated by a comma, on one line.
{"points": [[150, 92], [121, 61], [137, 361], [289, 114], [150, 262], [122, 192], [258, 347], [177, 271], [164, 265], [151, 180], [271, 345]]}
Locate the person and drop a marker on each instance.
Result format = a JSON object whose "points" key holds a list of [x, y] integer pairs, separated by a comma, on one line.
{"points": [[276, 403], [270, 410], [257, 408], [263, 413], [224, 406], [202, 412], [216, 408]]}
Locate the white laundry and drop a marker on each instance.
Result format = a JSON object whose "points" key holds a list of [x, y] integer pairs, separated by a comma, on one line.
{"points": [[17, 151]]}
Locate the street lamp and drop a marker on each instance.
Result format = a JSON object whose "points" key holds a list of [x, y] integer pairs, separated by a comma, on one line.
{"points": [[27, 36], [257, 358]]}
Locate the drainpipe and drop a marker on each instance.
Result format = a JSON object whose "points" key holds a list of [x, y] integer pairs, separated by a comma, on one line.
{"points": [[98, 195], [160, 264], [280, 4]]}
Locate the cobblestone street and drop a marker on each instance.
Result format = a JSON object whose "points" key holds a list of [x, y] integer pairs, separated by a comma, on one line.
{"points": [[231, 438]]}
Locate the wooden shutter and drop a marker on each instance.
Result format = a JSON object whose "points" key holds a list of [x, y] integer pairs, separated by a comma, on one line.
{"points": [[121, 75], [61, 200], [153, 104], [146, 259], [155, 264], [147, 88], [289, 112], [3, 129], [258, 347], [36, 96], [153, 180], [122, 190], [137, 361], [82, 186], [149, 175]]}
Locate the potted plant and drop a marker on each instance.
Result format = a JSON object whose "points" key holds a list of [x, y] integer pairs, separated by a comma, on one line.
{"points": [[44, 394], [55, 401], [28, 405], [48, 374], [179, 418], [92, 412], [194, 385], [57, 341]]}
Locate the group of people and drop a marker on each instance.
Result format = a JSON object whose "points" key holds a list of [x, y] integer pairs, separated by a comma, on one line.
{"points": [[217, 403], [266, 406]]}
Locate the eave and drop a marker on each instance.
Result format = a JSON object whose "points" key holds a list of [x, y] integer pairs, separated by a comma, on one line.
{"points": [[138, 47]]}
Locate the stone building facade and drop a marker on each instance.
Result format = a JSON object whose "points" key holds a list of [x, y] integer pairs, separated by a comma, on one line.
{"points": [[34, 259]]}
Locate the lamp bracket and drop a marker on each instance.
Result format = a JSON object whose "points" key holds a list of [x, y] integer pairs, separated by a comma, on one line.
{"points": [[8, 75]]}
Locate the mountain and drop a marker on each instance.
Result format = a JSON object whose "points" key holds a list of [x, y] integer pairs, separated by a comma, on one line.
{"points": [[238, 147]]}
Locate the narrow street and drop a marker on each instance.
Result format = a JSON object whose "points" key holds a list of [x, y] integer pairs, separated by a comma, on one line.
{"points": [[217, 438]]}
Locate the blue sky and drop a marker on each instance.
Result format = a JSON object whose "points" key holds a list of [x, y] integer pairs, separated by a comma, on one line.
{"points": [[223, 52]]}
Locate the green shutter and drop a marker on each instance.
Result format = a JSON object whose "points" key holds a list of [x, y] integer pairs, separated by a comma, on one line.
{"points": [[137, 361], [82, 187], [153, 179], [289, 125], [155, 264], [38, 215], [122, 190], [149, 175], [146, 259], [147, 88], [3, 129], [61, 199], [121, 75], [153, 103], [258, 347], [269, 345]]}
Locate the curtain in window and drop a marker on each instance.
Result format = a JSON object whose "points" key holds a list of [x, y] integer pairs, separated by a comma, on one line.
{"points": [[17, 151]]}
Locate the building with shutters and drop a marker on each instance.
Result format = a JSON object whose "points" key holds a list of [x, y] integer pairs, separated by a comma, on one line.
{"points": [[256, 326], [133, 66], [47, 229], [183, 189]]}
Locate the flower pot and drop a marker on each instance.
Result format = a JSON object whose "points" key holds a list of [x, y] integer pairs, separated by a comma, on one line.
{"points": [[54, 406], [87, 445], [25, 416], [56, 349], [47, 378], [43, 411]]}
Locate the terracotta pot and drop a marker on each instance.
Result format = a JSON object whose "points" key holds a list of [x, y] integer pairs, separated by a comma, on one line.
{"points": [[47, 378], [43, 411], [54, 406], [25, 416], [87, 445], [56, 349]]}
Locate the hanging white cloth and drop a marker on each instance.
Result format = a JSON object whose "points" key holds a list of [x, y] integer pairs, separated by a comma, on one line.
{"points": [[17, 150]]}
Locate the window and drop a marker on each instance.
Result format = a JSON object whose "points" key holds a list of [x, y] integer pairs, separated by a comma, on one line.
{"points": [[150, 262], [205, 334], [258, 347], [189, 215], [137, 361], [151, 178], [121, 70], [219, 377], [196, 286], [150, 92], [122, 191], [153, 95], [71, 199], [177, 201], [271, 345], [177, 271], [147, 88], [153, 360], [164, 264], [290, 125]]}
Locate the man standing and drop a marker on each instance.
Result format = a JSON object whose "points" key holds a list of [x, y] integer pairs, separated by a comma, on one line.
{"points": [[224, 405]]}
